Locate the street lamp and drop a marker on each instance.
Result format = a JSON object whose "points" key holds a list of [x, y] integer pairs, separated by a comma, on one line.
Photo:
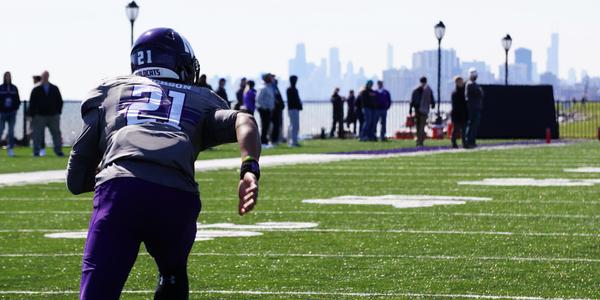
{"points": [[440, 30], [132, 10], [506, 43]]}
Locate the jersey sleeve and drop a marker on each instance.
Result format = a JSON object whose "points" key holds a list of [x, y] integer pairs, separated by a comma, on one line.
{"points": [[85, 155], [219, 128], [94, 98]]}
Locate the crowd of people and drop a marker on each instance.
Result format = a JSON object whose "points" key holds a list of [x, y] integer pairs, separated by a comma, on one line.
{"points": [[367, 110], [45, 108], [364, 114], [270, 105], [467, 102]]}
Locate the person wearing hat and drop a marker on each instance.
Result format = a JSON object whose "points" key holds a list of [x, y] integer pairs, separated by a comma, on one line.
{"points": [[474, 97], [459, 112], [265, 104]]}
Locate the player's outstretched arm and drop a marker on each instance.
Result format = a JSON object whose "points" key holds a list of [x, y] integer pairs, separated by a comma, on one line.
{"points": [[249, 142]]}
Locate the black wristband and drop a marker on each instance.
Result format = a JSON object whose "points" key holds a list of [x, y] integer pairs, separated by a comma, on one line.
{"points": [[250, 166]]}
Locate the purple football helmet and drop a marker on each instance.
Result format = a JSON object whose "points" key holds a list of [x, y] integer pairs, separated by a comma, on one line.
{"points": [[163, 53]]}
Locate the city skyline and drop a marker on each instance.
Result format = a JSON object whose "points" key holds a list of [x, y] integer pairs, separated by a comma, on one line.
{"points": [[80, 44]]}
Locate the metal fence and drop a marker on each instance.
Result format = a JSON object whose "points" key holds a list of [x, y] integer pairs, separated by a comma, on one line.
{"points": [[578, 119], [315, 116]]}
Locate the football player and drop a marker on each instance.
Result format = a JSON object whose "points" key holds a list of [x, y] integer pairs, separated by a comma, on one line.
{"points": [[141, 136]]}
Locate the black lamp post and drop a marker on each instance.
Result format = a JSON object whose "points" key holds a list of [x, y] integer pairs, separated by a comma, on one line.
{"points": [[506, 43], [440, 30], [132, 10]]}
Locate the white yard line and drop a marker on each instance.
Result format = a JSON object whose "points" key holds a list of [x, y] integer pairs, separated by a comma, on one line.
{"points": [[340, 212], [447, 232], [40, 177], [309, 293], [375, 231], [269, 198], [336, 256]]}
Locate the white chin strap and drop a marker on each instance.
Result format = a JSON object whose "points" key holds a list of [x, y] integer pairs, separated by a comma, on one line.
{"points": [[156, 72]]}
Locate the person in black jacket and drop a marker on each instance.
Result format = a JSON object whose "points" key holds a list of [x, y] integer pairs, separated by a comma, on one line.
{"points": [[239, 95], [9, 104], [459, 112], [294, 108], [222, 92], [474, 96], [277, 115], [202, 82], [351, 114], [338, 113], [45, 107], [367, 101]]}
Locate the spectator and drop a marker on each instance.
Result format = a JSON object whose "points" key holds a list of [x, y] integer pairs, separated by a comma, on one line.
{"points": [[474, 96], [360, 115], [10, 102], [384, 101], [459, 112], [276, 134], [351, 114], [45, 108], [294, 108], [338, 113], [368, 102], [249, 100], [239, 95], [421, 101], [222, 92], [202, 82], [265, 103], [36, 81]]}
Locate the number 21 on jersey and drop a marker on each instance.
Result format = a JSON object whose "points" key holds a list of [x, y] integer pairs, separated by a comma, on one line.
{"points": [[146, 104]]}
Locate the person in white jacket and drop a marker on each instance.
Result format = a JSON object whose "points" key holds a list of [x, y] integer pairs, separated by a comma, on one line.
{"points": [[265, 103]]}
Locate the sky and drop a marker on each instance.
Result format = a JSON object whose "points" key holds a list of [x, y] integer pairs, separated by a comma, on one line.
{"points": [[81, 42]]}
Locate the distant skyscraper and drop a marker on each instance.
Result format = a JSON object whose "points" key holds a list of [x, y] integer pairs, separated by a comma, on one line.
{"points": [[552, 63], [400, 82], [517, 73], [523, 57], [425, 64], [335, 66], [572, 79], [350, 69], [484, 74], [297, 65], [390, 56]]}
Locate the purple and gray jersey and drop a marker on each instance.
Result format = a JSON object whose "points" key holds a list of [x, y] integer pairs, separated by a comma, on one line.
{"points": [[148, 129]]}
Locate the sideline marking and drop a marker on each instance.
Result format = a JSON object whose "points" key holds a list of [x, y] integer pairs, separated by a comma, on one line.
{"points": [[397, 201], [532, 182], [311, 293], [324, 255], [362, 213], [384, 231], [42, 177]]}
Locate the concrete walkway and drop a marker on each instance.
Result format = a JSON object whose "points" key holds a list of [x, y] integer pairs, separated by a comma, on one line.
{"points": [[40, 177]]}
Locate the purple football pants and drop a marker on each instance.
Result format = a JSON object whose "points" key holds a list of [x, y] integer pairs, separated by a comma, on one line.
{"points": [[127, 212]]}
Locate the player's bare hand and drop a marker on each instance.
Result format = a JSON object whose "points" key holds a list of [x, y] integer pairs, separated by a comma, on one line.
{"points": [[248, 193]]}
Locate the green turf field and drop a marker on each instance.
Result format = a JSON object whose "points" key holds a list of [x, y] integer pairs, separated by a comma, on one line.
{"points": [[526, 241], [585, 123], [25, 162]]}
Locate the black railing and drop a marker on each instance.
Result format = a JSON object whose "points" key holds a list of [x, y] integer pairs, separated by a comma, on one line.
{"points": [[578, 119]]}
